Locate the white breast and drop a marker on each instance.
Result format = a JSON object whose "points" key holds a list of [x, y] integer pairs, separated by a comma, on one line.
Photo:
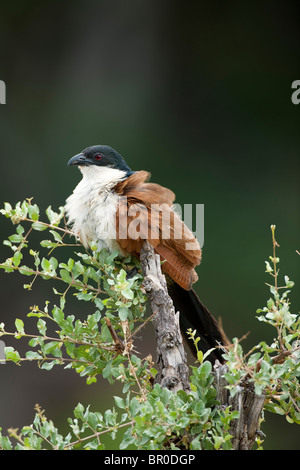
{"points": [[91, 209]]}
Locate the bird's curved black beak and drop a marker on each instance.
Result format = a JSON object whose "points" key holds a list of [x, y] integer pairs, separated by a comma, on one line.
{"points": [[79, 159]]}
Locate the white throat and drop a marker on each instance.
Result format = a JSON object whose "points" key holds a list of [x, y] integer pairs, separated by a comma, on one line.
{"points": [[91, 209], [102, 175]]}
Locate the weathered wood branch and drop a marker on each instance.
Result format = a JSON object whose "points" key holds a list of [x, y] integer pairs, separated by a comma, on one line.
{"points": [[245, 428], [173, 371], [119, 345]]}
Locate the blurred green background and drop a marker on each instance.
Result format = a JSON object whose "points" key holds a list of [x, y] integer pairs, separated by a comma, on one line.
{"points": [[197, 93]]}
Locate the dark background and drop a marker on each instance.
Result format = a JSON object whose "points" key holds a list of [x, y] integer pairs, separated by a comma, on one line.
{"points": [[199, 95]]}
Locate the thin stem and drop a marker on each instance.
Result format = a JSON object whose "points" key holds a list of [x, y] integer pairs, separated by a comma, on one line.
{"points": [[55, 227], [58, 340], [39, 273], [135, 376], [274, 242], [96, 434], [24, 239], [141, 326]]}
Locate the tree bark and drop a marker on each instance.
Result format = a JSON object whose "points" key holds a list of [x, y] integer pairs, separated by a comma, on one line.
{"points": [[245, 428], [173, 371]]}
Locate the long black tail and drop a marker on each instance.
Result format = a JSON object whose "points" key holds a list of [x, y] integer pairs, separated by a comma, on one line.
{"points": [[194, 315]]}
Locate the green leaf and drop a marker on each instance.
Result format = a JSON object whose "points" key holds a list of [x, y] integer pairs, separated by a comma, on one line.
{"points": [[58, 315], [208, 353], [84, 296], [79, 411], [218, 441], [35, 254], [20, 229], [32, 355], [26, 271], [78, 269], [107, 370], [205, 369], [200, 356], [269, 269], [109, 260], [54, 217], [120, 402], [17, 258], [39, 226], [99, 304], [11, 354], [195, 444], [123, 313], [127, 293], [134, 406], [109, 418], [56, 235], [65, 276], [71, 263], [48, 244], [128, 439], [64, 266], [15, 238], [33, 211], [19, 325], [52, 347], [288, 283], [5, 443], [46, 264], [122, 276], [41, 324], [90, 380], [289, 419], [48, 365], [53, 263], [7, 209], [33, 342]]}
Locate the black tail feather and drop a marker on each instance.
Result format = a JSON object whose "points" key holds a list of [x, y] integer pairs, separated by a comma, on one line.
{"points": [[194, 315]]}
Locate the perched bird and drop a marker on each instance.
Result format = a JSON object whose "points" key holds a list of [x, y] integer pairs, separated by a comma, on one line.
{"points": [[119, 209]]}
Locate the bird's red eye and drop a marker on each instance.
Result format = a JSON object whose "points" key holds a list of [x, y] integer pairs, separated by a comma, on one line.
{"points": [[98, 156]]}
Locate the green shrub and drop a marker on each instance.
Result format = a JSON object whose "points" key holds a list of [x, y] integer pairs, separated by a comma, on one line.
{"points": [[146, 416]]}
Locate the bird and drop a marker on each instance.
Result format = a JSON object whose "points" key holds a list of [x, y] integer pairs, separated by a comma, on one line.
{"points": [[119, 209]]}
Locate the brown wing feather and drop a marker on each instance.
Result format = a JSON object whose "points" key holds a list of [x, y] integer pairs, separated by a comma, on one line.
{"points": [[136, 187], [159, 225], [180, 272]]}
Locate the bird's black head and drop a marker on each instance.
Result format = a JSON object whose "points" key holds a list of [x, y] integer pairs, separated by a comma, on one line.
{"points": [[100, 155]]}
